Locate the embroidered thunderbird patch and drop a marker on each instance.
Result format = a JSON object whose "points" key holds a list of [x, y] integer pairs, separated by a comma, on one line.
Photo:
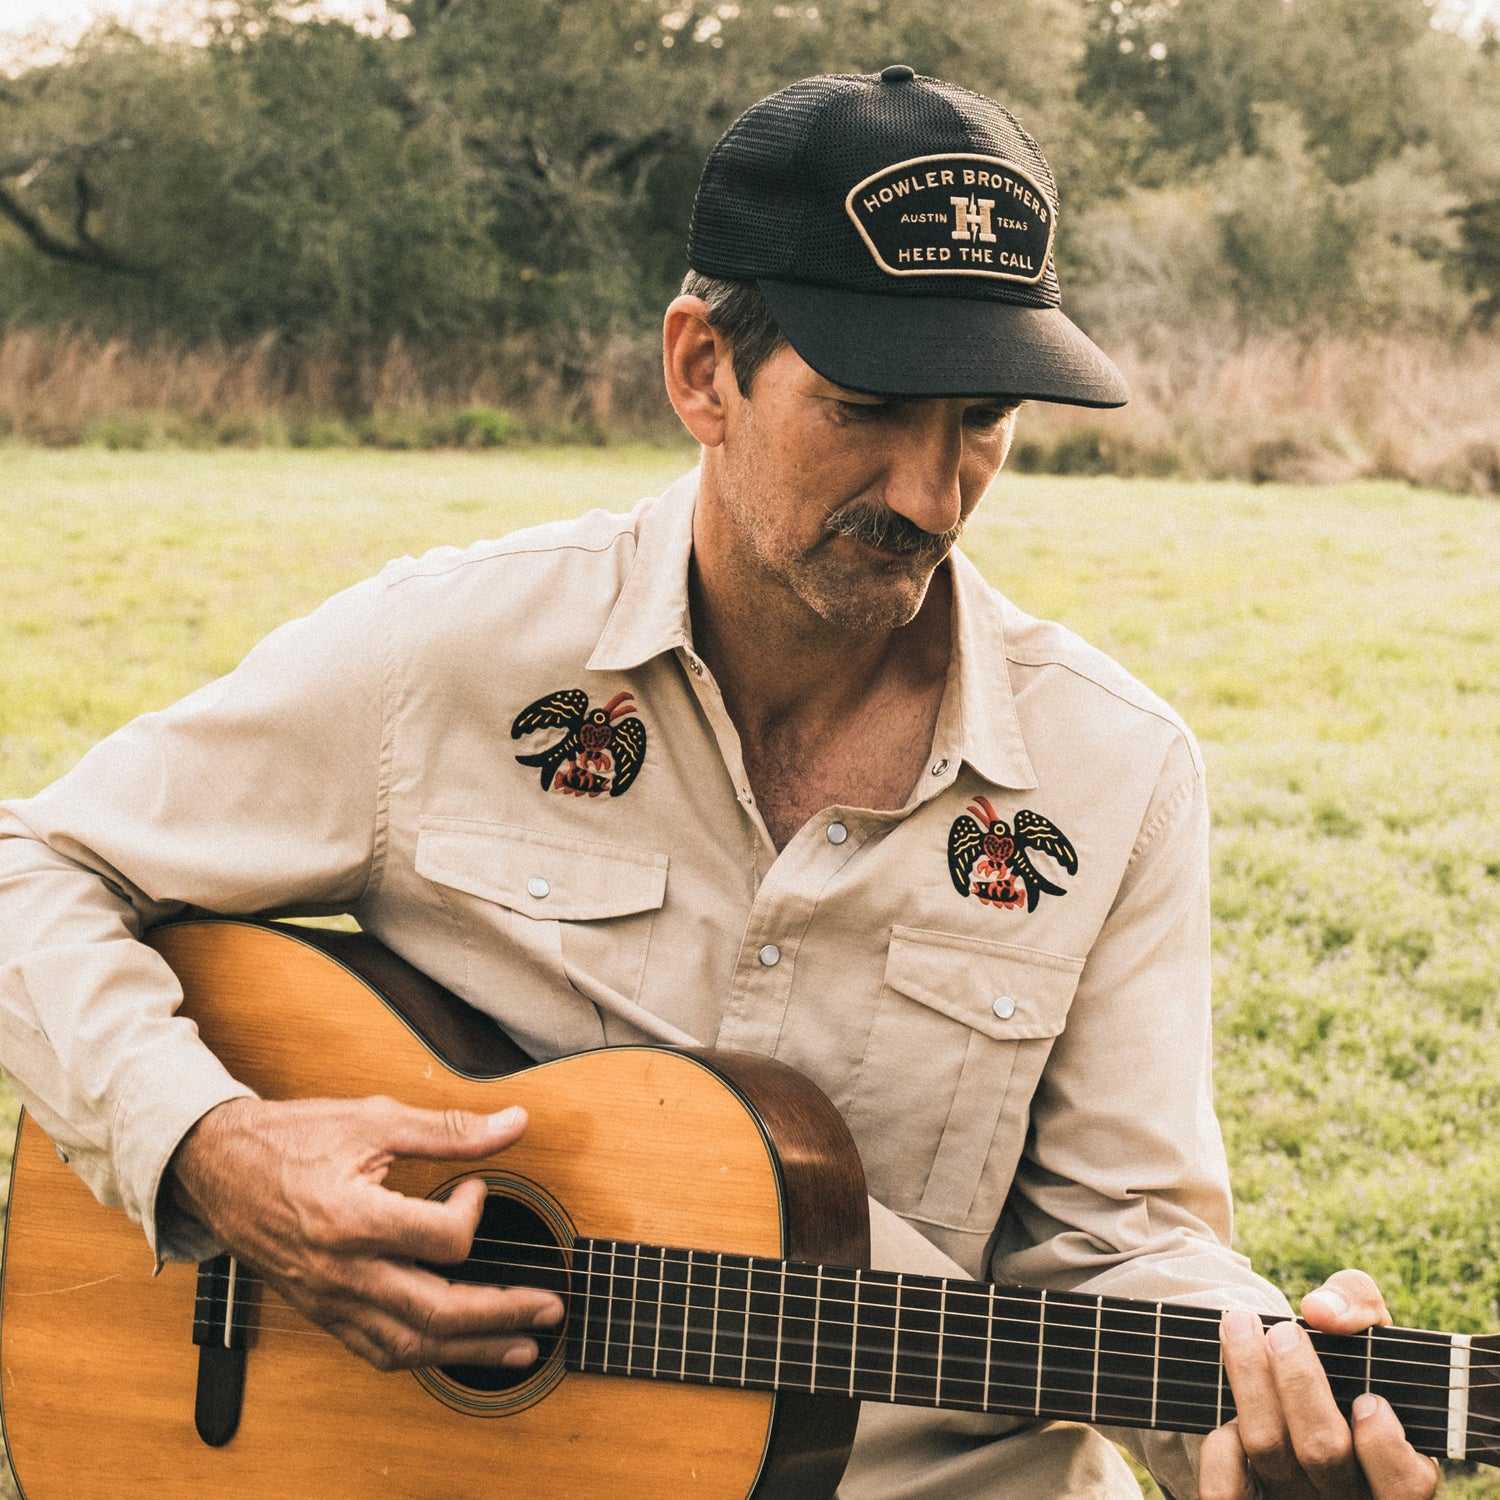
{"points": [[988, 859], [602, 750]]}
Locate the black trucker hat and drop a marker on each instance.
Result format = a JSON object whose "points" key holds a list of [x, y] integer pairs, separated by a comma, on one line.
{"points": [[902, 231]]}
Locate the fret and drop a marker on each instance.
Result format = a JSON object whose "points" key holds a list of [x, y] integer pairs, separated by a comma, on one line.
{"points": [[1066, 1356], [919, 1363], [989, 1362], [687, 1300], [1189, 1393], [763, 1324], [633, 1339], [672, 1322], [713, 1338], [1098, 1336], [609, 1308], [780, 1326], [732, 1301], [1041, 1344], [937, 1392], [1128, 1374], [839, 1290], [817, 1318], [875, 1356], [702, 1322], [896, 1336], [854, 1333], [1155, 1364], [802, 1300]]}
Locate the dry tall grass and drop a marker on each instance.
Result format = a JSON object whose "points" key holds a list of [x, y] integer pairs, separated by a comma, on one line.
{"points": [[1389, 408], [1419, 410]]}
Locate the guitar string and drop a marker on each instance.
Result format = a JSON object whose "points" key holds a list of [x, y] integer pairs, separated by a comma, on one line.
{"points": [[953, 1360], [1207, 1318], [622, 1350]]}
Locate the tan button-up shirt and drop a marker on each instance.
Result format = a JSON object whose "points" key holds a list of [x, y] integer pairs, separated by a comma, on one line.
{"points": [[1003, 985]]}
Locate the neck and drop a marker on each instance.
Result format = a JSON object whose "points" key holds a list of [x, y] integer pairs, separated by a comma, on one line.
{"points": [[774, 1325]]}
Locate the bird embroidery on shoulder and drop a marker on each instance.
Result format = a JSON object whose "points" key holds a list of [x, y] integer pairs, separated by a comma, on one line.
{"points": [[988, 859], [602, 750]]}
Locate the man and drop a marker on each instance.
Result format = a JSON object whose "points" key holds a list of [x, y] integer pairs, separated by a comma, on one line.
{"points": [[791, 778]]}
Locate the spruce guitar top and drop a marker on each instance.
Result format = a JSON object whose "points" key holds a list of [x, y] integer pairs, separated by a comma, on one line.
{"points": [[703, 1217]]}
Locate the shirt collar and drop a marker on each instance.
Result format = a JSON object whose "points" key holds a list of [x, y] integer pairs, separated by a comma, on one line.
{"points": [[651, 614], [978, 718], [977, 721]]}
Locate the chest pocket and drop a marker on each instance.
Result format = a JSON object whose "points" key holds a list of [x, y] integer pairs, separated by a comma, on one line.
{"points": [[962, 1031], [537, 908]]}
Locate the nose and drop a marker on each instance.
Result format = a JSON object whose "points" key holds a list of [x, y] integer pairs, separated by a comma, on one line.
{"points": [[922, 475]]}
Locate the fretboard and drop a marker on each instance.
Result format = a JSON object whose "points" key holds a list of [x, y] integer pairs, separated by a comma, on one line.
{"points": [[714, 1319]]}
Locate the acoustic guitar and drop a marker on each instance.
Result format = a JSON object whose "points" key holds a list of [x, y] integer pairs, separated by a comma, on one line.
{"points": [[703, 1216]]}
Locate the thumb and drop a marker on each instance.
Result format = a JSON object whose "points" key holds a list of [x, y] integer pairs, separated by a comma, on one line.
{"points": [[1348, 1302], [457, 1133]]}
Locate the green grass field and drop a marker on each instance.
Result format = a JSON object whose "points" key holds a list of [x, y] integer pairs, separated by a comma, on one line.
{"points": [[1336, 650]]}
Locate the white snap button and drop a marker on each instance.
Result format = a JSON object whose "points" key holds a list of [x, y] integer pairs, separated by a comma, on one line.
{"points": [[1005, 1007], [62, 1155], [770, 955], [695, 666], [537, 887], [939, 767], [837, 833]]}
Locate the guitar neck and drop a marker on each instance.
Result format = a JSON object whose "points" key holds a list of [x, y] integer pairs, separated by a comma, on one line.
{"points": [[714, 1319]]}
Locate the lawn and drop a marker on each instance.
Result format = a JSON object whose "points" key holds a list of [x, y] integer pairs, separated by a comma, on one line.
{"points": [[1336, 650]]}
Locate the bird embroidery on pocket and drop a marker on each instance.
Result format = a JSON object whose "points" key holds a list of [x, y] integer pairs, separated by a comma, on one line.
{"points": [[988, 858], [602, 750]]}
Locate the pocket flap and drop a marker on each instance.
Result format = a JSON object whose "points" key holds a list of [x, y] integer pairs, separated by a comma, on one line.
{"points": [[544, 875], [1004, 991]]}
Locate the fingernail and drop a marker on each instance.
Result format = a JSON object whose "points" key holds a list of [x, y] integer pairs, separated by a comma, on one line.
{"points": [[507, 1117], [525, 1354], [1283, 1336], [1365, 1406], [1239, 1325], [1335, 1302]]}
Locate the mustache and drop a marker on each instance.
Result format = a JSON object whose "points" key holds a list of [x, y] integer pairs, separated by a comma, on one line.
{"points": [[879, 526]]}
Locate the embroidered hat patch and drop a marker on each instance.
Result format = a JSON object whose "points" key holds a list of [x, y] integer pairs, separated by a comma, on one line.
{"points": [[954, 215], [988, 858], [602, 750]]}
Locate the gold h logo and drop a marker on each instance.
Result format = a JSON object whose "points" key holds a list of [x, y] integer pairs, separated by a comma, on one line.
{"points": [[971, 215]]}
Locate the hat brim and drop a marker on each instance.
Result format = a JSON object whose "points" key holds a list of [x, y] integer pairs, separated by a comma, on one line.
{"points": [[943, 346]]}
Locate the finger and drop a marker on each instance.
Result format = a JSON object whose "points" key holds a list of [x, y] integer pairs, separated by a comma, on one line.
{"points": [[1259, 1418], [1321, 1440], [1223, 1470], [389, 1344], [440, 1230], [444, 1309], [458, 1133], [1348, 1302], [1395, 1470]]}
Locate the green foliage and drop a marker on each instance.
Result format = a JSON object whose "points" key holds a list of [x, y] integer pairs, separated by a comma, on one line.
{"points": [[528, 169]]}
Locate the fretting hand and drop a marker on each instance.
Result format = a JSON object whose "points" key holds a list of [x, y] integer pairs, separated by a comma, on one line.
{"points": [[1289, 1440], [297, 1190]]}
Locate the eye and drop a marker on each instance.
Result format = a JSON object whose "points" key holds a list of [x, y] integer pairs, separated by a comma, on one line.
{"points": [[861, 411], [988, 417]]}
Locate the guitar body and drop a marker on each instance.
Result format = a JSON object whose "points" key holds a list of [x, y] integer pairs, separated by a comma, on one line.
{"points": [[722, 1152]]}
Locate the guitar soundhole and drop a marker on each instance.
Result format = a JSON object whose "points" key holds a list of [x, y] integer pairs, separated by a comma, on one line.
{"points": [[524, 1238], [513, 1246]]}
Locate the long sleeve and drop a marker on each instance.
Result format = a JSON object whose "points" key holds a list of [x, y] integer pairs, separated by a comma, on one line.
{"points": [[1123, 1187], [258, 792]]}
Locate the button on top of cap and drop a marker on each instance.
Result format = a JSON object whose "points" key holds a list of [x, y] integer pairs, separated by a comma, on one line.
{"points": [[897, 73]]}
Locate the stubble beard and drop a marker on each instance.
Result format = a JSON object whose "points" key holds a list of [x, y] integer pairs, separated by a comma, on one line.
{"points": [[869, 570]]}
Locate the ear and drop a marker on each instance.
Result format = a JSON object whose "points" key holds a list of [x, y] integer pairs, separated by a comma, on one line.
{"points": [[696, 362]]}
